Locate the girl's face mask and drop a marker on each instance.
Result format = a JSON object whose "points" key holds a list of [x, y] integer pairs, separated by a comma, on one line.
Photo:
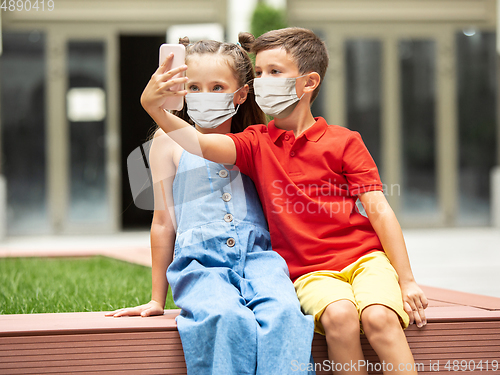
{"points": [[276, 97], [210, 109]]}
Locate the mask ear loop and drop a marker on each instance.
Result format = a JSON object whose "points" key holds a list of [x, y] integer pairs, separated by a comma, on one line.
{"points": [[305, 75], [236, 109]]}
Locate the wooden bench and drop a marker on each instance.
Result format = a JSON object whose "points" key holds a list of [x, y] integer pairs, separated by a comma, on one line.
{"points": [[462, 327]]}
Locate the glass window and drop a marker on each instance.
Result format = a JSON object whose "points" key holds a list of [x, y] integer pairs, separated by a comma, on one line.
{"points": [[363, 91], [477, 81], [417, 61], [318, 106], [88, 193], [22, 75]]}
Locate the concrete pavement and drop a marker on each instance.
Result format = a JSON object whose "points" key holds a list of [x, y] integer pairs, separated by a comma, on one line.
{"points": [[129, 246], [462, 259]]}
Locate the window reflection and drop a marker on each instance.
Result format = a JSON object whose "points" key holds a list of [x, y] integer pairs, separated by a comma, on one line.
{"points": [[476, 82], [363, 92], [22, 75], [88, 196], [417, 61]]}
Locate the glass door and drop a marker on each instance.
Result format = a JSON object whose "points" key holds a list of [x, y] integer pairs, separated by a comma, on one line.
{"points": [[391, 91], [477, 91], [23, 159], [86, 111], [417, 93]]}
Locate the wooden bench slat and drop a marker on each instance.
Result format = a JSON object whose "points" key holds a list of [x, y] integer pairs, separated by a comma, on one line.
{"points": [[171, 371], [452, 337], [439, 341], [458, 347], [161, 368], [84, 323], [41, 355], [9, 351], [482, 345], [461, 298], [457, 325], [460, 327], [474, 330], [131, 361], [34, 344], [124, 335]]}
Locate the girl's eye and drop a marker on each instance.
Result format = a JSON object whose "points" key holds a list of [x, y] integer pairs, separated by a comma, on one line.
{"points": [[193, 88], [275, 71], [217, 88], [258, 74]]}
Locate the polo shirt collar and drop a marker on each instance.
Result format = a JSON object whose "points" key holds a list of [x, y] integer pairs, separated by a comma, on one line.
{"points": [[274, 132], [313, 134], [317, 130]]}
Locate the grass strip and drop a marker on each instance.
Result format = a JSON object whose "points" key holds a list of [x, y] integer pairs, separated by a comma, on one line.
{"points": [[52, 285]]}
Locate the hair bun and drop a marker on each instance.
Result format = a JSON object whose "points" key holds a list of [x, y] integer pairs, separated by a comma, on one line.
{"points": [[246, 41], [184, 41]]}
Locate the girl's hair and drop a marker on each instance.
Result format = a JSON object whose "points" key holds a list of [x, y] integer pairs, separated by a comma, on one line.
{"points": [[240, 64]]}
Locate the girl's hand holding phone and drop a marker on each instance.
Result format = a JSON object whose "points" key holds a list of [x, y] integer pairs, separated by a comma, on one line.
{"points": [[159, 87]]}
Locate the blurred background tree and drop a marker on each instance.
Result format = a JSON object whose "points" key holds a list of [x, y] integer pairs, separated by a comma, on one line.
{"points": [[266, 18]]}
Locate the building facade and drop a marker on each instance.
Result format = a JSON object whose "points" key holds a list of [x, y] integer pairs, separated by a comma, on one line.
{"points": [[64, 173], [417, 79]]}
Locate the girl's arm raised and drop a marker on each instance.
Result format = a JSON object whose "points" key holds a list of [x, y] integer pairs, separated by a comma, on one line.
{"points": [[215, 147]]}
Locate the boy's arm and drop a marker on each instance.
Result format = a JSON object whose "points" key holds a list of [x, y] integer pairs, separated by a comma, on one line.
{"points": [[215, 147], [387, 227]]}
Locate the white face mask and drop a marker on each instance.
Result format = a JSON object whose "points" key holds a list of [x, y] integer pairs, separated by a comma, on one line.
{"points": [[276, 97], [210, 109]]}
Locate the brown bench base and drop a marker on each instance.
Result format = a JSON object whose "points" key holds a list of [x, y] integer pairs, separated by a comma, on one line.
{"points": [[463, 333]]}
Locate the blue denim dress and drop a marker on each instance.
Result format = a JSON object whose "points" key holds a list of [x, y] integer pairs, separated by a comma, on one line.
{"points": [[240, 314]]}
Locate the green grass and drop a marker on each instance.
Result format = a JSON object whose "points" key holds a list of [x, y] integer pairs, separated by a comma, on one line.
{"points": [[49, 285]]}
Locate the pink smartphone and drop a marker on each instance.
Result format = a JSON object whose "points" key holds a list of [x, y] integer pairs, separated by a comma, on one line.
{"points": [[174, 102]]}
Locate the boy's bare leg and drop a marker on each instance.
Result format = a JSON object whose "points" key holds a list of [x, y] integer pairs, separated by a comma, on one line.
{"points": [[383, 331], [341, 323]]}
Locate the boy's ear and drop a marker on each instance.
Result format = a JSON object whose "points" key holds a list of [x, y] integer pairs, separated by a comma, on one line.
{"points": [[313, 80], [241, 96]]}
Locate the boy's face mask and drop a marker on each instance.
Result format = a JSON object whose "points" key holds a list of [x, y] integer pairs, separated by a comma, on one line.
{"points": [[276, 97], [210, 109]]}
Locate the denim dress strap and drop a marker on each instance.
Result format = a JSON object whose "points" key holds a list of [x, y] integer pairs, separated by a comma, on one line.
{"points": [[240, 314]]}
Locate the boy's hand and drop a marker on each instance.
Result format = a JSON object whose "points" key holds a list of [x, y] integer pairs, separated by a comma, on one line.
{"points": [[149, 309], [415, 302], [158, 87]]}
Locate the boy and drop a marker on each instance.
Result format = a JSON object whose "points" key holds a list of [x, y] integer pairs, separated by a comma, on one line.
{"points": [[309, 175]]}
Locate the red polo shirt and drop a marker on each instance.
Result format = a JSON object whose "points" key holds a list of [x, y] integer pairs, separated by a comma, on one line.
{"points": [[308, 188]]}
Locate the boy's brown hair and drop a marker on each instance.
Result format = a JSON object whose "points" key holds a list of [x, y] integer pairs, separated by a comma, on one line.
{"points": [[305, 47]]}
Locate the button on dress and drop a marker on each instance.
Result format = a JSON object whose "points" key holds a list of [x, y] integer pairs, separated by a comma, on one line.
{"points": [[240, 314]]}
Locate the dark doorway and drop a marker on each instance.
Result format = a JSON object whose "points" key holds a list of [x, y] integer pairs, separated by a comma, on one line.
{"points": [[138, 61]]}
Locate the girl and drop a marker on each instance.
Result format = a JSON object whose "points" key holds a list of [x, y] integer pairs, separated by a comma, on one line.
{"points": [[240, 314]]}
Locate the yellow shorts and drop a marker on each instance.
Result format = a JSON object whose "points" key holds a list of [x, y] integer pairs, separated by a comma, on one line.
{"points": [[371, 280]]}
